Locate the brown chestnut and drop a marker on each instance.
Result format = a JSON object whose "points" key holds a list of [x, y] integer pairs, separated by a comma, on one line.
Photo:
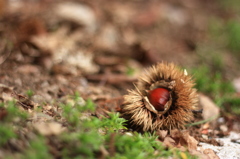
{"points": [[158, 98]]}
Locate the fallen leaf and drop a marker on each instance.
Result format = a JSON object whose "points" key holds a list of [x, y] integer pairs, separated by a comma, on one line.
{"points": [[6, 92], [191, 141], [108, 38], [169, 142], [24, 101], [28, 69], [210, 153], [51, 128], [79, 13], [162, 134]]}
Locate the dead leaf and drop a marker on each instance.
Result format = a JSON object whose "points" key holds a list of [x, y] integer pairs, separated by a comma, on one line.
{"points": [[79, 13], [181, 140], [210, 153], [24, 101], [162, 134], [28, 69], [191, 141], [169, 142], [108, 38], [5, 92], [51, 128], [30, 27]]}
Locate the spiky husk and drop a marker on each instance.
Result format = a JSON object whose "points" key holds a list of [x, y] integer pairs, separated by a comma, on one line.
{"points": [[183, 102]]}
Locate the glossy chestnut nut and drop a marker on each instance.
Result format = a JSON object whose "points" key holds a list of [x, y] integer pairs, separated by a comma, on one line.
{"points": [[158, 98]]}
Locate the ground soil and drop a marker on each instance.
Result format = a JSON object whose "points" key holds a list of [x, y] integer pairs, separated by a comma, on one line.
{"points": [[55, 55]]}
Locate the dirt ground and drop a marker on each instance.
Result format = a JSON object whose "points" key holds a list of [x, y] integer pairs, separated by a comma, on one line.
{"points": [[99, 48]]}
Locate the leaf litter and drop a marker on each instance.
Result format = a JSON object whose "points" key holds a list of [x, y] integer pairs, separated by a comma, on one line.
{"points": [[98, 52]]}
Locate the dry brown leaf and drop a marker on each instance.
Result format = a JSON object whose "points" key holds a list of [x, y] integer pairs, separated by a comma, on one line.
{"points": [[199, 154], [79, 13], [51, 128], [30, 27], [191, 141], [108, 38], [5, 92], [28, 69], [162, 134], [210, 153], [108, 60], [185, 142], [24, 101], [182, 140], [169, 142], [7, 97]]}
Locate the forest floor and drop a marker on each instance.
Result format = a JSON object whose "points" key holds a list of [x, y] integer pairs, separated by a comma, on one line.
{"points": [[56, 56]]}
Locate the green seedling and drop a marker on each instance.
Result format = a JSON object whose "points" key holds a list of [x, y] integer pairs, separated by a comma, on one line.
{"points": [[29, 93], [37, 149], [130, 71], [13, 116], [113, 123], [233, 32], [6, 133]]}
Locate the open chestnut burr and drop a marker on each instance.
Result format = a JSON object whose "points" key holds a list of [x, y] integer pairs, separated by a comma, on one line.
{"points": [[164, 98]]}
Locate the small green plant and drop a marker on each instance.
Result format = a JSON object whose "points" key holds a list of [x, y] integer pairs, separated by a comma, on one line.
{"points": [[130, 71], [232, 105], [6, 133], [14, 112], [233, 32], [82, 143], [113, 123], [37, 149], [29, 93], [75, 110], [212, 83], [85, 136], [142, 146], [90, 134], [216, 31], [233, 5], [211, 58], [70, 114], [137, 146], [224, 35], [13, 116]]}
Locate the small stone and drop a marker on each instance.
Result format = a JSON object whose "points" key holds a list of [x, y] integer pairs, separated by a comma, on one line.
{"points": [[224, 128]]}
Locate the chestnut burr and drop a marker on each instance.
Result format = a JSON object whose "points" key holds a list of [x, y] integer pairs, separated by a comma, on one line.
{"points": [[164, 98]]}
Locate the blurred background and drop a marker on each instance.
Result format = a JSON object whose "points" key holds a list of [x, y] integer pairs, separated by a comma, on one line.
{"points": [[64, 62], [99, 47]]}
